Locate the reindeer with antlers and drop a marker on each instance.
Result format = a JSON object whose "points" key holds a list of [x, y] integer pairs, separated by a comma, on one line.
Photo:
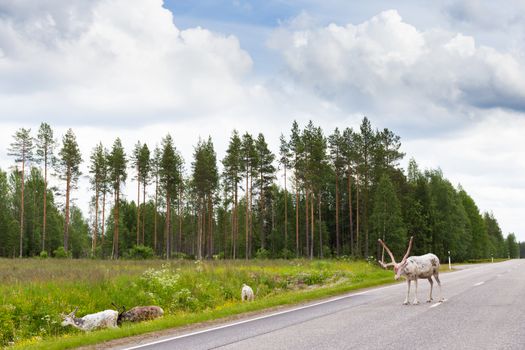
{"points": [[414, 268]]}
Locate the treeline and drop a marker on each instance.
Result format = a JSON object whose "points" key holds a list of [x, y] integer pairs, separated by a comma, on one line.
{"points": [[340, 193]]}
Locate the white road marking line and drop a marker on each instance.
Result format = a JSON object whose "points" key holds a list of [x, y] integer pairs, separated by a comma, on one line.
{"points": [[245, 321], [479, 284], [436, 304]]}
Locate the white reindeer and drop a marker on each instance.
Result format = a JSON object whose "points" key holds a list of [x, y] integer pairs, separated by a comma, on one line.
{"points": [[247, 293], [414, 268], [102, 319]]}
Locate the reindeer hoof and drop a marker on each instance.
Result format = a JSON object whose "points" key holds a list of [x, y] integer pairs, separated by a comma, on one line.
{"points": [[416, 302], [429, 300], [406, 303]]}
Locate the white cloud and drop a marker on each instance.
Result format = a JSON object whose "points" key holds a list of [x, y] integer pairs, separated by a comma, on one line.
{"points": [[108, 60], [388, 65]]}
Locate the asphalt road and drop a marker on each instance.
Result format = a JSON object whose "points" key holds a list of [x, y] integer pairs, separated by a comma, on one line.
{"points": [[484, 309]]}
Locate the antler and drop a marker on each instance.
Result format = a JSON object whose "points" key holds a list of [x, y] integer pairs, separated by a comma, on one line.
{"points": [[408, 250], [385, 266], [73, 312], [388, 251]]}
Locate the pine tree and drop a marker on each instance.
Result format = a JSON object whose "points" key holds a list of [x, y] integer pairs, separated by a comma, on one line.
{"points": [[284, 160], [349, 152], [169, 178], [117, 173], [69, 170], [296, 149], [232, 177], [249, 166], [98, 170], [265, 178], [205, 181], [45, 144], [145, 171], [135, 160], [337, 161], [22, 150], [155, 170]]}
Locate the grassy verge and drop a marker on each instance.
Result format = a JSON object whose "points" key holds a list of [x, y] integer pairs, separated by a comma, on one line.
{"points": [[68, 341], [33, 292]]}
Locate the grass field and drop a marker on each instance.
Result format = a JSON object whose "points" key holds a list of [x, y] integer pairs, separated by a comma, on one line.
{"points": [[34, 292]]}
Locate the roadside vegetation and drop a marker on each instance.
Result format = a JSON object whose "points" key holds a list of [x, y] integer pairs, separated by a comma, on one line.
{"points": [[34, 292]]}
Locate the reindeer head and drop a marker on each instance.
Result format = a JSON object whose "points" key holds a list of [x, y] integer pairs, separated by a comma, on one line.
{"points": [[398, 267], [69, 319]]}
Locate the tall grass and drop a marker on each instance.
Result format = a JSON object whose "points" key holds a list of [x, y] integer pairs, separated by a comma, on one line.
{"points": [[34, 292]]}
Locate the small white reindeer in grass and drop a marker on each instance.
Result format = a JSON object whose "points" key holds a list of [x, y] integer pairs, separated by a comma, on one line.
{"points": [[102, 319], [414, 268]]}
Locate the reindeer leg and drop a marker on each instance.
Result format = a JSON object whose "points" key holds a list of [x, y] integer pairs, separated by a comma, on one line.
{"points": [[415, 299], [441, 299], [408, 293], [431, 284]]}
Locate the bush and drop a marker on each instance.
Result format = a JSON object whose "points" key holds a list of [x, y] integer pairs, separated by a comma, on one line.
{"points": [[43, 254], [140, 252], [180, 256], [262, 254], [61, 253], [287, 254], [327, 252]]}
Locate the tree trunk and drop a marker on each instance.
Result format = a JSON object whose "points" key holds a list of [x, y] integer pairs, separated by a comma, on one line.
{"points": [[296, 218], [306, 219], [236, 225], [336, 213], [365, 215], [247, 222], [143, 211], [261, 201], [180, 218], [320, 227], [357, 241], [66, 225], [250, 218], [312, 225], [95, 230], [168, 222], [22, 206], [138, 206], [44, 224], [103, 219], [350, 213], [155, 246], [210, 226], [116, 222], [285, 212], [200, 229]]}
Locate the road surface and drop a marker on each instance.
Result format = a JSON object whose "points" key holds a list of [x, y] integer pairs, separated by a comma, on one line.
{"points": [[484, 309]]}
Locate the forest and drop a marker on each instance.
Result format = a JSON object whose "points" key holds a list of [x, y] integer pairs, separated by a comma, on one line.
{"points": [[342, 191]]}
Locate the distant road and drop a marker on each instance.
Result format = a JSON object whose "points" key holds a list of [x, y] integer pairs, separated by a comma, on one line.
{"points": [[485, 309]]}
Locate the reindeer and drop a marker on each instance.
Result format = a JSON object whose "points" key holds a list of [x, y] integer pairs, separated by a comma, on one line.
{"points": [[247, 293], [102, 319], [414, 268], [138, 313]]}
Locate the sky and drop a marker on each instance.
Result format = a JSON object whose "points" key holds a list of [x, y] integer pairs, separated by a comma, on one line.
{"points": [[448, 77]]}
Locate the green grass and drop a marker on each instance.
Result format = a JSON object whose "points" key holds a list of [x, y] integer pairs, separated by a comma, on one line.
{"points": [[34, 292]]}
